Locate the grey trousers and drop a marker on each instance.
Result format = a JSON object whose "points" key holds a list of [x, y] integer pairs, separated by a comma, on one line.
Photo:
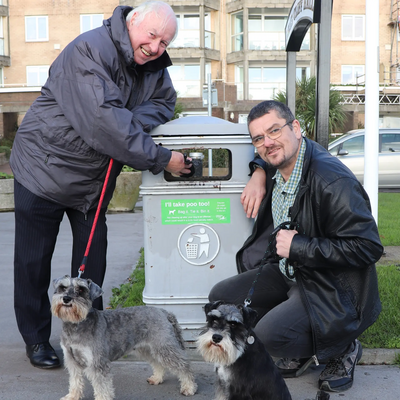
{"points": [[283, 325]]}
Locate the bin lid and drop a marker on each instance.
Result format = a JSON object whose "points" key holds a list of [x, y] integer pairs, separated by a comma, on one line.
{"points": [[200, 126]]}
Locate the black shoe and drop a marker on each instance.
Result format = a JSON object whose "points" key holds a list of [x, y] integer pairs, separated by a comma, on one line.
{"points": [[339, 372], [42, 355], [293, 367]]}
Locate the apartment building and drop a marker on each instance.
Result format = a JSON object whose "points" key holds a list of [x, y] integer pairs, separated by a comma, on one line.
{"points": [[240, 43], [348, 59]]}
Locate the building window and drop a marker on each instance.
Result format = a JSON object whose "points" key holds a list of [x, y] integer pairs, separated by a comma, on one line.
{"points": [[37, 75], [36, 29], [239, 82], [188, 31], [186, 78], [209, 35], [266, 32], [266, 82], [237, 31], [302, 73], [352, 74], [1, 38], [353, 27], [306, 42], [91, 21]]}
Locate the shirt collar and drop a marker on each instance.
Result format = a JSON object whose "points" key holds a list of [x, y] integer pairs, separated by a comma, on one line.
{"points": [[290, 186]]}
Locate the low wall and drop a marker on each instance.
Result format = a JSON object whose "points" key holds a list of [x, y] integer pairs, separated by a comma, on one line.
{"points": [[6, 194]]}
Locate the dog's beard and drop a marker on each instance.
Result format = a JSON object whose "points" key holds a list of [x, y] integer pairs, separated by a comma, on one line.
{"points": [[226, 352], [74, 311]]}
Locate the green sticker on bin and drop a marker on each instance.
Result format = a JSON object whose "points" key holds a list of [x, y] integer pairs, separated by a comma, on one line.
{"points": [[189, 211]]}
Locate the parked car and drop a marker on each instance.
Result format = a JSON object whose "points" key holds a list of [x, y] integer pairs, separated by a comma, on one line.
{"points": [[349, 148]]}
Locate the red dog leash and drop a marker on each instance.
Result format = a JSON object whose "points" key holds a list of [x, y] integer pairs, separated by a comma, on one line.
{"points": [[81, 269]]}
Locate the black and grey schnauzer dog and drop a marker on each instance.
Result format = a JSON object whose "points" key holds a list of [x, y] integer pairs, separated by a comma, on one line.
{"points": [[244, 368], [91, 339]]}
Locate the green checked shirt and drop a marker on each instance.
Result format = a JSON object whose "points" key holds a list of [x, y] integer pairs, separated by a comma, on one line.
{"points": [[283, 196]]}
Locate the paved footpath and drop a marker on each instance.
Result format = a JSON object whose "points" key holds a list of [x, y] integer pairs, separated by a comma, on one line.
{"points": [[20, 381]]}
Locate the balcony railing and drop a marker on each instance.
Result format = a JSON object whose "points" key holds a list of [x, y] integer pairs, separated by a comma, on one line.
{"points": [[384, 99]]}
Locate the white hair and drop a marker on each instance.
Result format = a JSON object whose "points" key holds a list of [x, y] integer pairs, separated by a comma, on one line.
{"points": [[160, 8]]}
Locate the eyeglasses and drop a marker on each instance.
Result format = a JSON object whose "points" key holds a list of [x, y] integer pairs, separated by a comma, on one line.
{"points": [[274, 134]]}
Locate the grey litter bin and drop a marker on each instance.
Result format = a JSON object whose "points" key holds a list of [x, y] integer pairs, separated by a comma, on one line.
{"points": [[194, 226]]}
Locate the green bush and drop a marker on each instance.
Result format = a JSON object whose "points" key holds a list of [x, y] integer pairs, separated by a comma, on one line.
{"points": [[3, 175], [6, 150]]}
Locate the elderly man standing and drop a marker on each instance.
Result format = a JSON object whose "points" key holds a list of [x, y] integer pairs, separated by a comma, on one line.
{"points": [[308, 266], [105, 92]]}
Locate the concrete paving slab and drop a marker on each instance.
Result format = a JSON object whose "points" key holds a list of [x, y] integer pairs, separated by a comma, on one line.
{"points": [[20, 381]]}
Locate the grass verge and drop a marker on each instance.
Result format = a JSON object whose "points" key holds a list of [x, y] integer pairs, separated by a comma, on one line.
{"points": [[385, 332], [129, 293], [388, 207]]}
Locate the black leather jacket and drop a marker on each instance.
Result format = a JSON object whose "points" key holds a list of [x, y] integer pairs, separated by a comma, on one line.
{"points": [[333, 254]]}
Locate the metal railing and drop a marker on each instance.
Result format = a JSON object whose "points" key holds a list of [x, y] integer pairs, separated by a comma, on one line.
{"points": [[386, 99]]}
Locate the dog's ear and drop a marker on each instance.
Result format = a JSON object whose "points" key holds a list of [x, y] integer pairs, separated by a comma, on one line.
{"points": [[95, 290], [212, 306], [249, 316], [57, 281]]}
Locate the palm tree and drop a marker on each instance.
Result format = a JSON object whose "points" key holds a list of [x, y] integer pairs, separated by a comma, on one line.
{"points": [[305, 106]]}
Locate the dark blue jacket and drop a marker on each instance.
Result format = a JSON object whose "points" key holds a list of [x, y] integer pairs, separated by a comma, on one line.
{"points": [[334, 253], [97, 104]]}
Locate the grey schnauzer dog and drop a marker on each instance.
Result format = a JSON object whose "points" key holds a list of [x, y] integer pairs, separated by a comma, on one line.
{"points": [[91, 339], [244, 368]]}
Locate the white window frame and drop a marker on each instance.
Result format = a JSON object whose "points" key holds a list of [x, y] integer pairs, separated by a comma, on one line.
{"points": [[267, 39], [1, 37], [239, 78], [353, 74], [352, 36], [37, 18], [186, 37], [38, 70], [92, 24], [236, 37]]}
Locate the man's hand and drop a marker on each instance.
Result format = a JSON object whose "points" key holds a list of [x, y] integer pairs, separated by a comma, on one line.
{"points": [[283, 242], [253, 193], [177, 164]]}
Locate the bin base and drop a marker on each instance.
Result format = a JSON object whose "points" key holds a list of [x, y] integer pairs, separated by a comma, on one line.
{"points": [[188, 311]]}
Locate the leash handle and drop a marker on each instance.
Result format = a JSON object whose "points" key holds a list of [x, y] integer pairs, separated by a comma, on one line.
{"points": [[283, 225], [81, 269]]}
